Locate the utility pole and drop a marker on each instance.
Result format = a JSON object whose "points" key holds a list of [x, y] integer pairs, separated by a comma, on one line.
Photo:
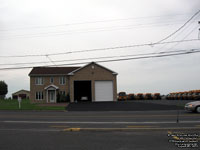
{"points": [[199, 31]]}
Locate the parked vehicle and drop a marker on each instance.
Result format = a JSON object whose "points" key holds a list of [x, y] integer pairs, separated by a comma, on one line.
{"points": [[171, 96], [122, 96], [140, 96], [156, 96], [185, 96], [189, 95], [193, 106], [131, 96], [148, 96], [179, 95], [196, 95]]}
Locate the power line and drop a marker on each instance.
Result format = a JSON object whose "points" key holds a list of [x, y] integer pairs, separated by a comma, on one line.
{"points": [[177, 43], [90, 22], [113, 60], [184, 37], [58, 33], [174, 37], [99, 49], [151, 56], [180, 27], [166, 22], [50, 60], [96, 58]]}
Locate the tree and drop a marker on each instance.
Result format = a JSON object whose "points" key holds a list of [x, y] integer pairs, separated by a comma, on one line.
{"points": [[3, 89]]}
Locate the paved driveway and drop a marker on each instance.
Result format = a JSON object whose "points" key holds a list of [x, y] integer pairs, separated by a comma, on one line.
{"points": [[125, 106]]}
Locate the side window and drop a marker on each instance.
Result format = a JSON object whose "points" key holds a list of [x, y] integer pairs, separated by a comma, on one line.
{"points": [[39, 95], [62, 80], [51, 79], [62, 93], [39, 81]]}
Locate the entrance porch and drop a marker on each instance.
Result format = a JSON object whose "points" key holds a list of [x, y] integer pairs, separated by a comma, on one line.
{"points": [[51, 93]]}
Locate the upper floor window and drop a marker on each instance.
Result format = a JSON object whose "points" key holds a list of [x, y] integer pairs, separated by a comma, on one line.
{"points": [[39, 81], [62, 80], [51, 79]]}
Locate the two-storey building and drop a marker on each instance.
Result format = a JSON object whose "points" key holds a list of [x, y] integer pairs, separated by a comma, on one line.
{"points": [[91, 82]]}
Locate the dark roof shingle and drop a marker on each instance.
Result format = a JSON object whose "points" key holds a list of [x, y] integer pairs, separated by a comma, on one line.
{"points": [[52, 70]]}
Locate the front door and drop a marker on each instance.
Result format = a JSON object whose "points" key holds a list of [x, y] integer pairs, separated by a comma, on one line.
{"points": [[51, 96]]}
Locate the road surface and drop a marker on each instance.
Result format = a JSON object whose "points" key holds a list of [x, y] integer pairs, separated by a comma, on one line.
{"points": [[105, 130]]}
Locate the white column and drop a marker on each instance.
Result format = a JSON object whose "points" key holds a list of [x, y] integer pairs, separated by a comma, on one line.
{"points": [[55, 96], [47, 97]]}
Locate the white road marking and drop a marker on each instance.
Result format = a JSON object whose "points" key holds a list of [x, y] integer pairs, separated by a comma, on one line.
{"points": [[37, 130], [93, 122]]}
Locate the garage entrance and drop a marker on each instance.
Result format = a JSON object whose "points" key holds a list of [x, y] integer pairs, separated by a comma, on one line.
{"points": [[103, 91], [82, 91]]}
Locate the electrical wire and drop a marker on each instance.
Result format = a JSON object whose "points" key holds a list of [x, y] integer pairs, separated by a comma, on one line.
{"points": [[50, 60], [100, 29], [179, 28], [91, 22], [191, 51], [183, 38], [97, 49], [176, 44], [185, 28], [94, 58]]}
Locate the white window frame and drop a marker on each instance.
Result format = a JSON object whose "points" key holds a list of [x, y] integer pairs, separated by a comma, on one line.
{"points": [[62, 80], [39, 81], [63, 93], [39, 95], [51, 79]]}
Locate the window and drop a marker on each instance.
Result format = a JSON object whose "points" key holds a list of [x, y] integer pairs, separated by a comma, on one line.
{"points": [[62, 93], [51, 79], [39, 81], [62, 80], [39, 95]]}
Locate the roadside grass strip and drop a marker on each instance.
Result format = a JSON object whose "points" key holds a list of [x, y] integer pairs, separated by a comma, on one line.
{"points": [[26, 105]]}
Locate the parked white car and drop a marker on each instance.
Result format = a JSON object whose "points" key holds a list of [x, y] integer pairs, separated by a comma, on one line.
{"points": [[84, 98], [193, 106]]}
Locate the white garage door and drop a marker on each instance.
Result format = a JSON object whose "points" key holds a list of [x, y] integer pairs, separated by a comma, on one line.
{"points": [[103, 91]]}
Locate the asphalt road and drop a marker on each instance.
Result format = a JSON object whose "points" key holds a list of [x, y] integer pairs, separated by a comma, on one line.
{"points": [[105, 130]]}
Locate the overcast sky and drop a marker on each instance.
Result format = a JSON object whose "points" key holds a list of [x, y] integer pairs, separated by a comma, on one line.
{"points": [[43, 27]]}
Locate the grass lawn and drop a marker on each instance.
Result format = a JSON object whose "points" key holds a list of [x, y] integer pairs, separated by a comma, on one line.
{"points": [[26, 105]]}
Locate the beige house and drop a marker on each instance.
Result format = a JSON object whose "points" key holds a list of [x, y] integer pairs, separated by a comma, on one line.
{"points": [[91, 82], [24, 94]]}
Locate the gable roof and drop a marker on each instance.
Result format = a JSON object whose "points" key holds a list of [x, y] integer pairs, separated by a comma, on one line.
{"points": [[78, 69], [51, 70], [44, 71], [23, 91]]}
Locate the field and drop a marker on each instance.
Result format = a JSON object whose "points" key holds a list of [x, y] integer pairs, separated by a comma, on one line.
{"points": [[26, 105]]}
